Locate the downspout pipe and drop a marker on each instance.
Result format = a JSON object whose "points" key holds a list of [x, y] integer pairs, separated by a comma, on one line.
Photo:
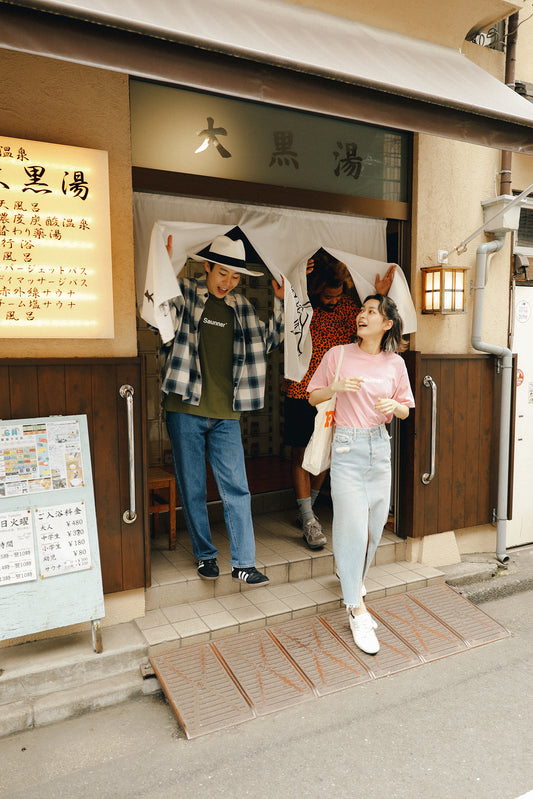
{"points": [[483, 255], [510, 70]]}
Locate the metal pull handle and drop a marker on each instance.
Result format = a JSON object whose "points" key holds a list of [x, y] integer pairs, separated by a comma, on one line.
{"points": [[127, 392], [430, 383]]}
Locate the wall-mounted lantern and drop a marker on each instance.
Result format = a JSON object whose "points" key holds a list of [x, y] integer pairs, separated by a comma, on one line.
{"points": [[443, 289]]}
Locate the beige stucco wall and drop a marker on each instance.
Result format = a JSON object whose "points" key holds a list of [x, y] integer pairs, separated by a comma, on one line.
{"points": [[522, 165], [450, 180], [522, 171], [524, 47], [46, 100]]}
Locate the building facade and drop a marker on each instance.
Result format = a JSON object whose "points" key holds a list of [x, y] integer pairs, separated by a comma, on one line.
{"points": [[76, 79]]}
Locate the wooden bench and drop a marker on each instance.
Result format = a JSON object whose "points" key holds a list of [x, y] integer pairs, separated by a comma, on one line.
{"points": [[160, 479]]}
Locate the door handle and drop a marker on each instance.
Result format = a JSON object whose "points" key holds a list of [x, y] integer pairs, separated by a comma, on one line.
{"points": [[427, 477], [127, 392]]}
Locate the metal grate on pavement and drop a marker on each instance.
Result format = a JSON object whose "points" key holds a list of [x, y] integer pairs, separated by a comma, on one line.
{"points": [[220, 684]]}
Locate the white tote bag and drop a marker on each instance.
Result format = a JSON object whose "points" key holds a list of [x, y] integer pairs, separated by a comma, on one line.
{"points": [[317, 456]]}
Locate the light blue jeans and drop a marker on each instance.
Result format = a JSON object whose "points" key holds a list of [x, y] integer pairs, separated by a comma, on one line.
{"points": [[360, 489], [191, 438]]}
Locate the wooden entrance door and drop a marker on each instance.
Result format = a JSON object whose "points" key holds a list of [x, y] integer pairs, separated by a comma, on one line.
{"points": [[92, 387], [462, 492]]}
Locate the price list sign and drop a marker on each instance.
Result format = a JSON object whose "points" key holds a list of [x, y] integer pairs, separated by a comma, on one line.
{"points": [[50, 573], [17, 551], [62, 539], [55, 241]]}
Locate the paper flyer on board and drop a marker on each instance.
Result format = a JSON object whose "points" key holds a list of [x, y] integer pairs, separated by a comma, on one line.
{"points": [[45, 456]]}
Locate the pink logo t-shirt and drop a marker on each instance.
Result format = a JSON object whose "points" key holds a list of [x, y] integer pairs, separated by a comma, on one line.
{"points": [[384, 376]]}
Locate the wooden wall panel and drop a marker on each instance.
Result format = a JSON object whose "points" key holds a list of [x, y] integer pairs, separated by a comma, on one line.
{"points": [[429, 517], [473, 392], [23, 391], [488, 436], [5, 394], [133, 540], [51, 395], [78, 387], [446, 441], [106, 475], [83, 386], [460, 444], [409, 453], [462, 493], [79, 392]]}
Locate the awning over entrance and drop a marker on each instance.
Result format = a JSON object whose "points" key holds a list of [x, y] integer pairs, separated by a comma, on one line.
{"points": [[379, 76]]}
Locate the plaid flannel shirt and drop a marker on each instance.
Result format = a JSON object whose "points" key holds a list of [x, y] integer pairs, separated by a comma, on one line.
{"points": [[252, 341]]}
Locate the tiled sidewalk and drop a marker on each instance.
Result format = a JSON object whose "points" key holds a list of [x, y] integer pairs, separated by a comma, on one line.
{"points": [[221, 683], [185, 610]]}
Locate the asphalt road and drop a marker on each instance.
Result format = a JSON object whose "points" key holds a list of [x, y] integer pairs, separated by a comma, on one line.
{"points": [[459, 727]]}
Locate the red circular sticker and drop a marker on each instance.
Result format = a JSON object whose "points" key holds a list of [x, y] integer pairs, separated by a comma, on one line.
{"points": [[519, 377]]}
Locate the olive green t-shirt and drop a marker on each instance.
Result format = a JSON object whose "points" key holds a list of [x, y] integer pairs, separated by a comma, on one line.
{"points": [[216, 363]]}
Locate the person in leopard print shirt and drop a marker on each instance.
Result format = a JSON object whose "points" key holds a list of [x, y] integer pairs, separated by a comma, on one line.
{"points": [[329, 287]]}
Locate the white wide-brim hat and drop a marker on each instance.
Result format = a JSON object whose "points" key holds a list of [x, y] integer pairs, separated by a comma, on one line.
{"points": [[226, 252]]}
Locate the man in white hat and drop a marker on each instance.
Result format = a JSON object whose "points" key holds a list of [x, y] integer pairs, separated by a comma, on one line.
{"points": [[215, 369]]}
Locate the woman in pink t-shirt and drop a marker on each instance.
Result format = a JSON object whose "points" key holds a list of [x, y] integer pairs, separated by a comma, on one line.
{"points": [[373, 386]]}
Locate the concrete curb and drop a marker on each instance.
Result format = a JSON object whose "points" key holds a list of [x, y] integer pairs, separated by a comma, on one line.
{"points": [[482, 578], [32, 712], [496, 588]]}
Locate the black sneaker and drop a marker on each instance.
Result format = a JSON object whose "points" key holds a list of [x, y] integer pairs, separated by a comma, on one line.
{"points": [[208, 569], [249, 575]]}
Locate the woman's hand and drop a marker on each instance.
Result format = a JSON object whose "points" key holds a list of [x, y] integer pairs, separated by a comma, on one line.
{"points": [[347, 384], [388, 406]]}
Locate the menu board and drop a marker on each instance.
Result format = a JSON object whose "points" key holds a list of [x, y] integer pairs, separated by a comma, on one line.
{"points": [[50, 573], [55, 241]]}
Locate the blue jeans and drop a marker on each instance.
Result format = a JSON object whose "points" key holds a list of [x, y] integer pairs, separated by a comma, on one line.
{"points": [[191, 438], [360, 489]]}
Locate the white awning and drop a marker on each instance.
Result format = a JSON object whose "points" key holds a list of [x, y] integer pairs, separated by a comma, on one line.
{"points": [[431, 88]]}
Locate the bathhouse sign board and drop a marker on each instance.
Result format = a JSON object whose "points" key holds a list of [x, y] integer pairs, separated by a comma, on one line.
{"points": [[50, 572], [55, 241]]}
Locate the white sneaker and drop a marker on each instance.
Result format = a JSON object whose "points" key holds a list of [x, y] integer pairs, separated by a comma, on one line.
{"points": [[362, 628]]}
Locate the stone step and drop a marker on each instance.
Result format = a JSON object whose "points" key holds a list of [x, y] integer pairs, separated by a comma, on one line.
{"points": [[49, 708], [281, 554], [197, 621], [56, 678], [49, 664]]}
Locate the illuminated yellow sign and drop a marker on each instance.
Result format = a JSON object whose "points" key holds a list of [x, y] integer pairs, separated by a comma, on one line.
{"points": [[55, 241]]}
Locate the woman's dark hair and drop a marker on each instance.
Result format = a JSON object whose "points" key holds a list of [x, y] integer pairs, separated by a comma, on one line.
{"points": [[392, 339]]}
